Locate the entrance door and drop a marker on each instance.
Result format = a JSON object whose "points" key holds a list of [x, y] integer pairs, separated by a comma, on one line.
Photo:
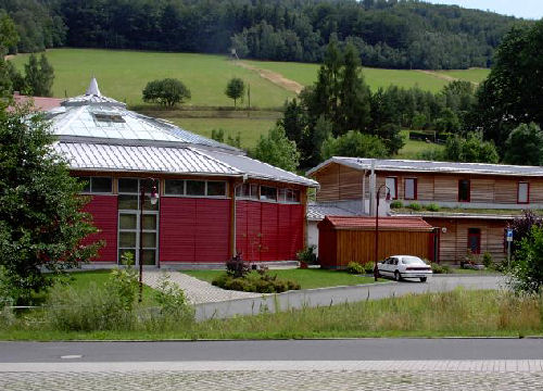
{"points": [[129, 222], [474, 240]]}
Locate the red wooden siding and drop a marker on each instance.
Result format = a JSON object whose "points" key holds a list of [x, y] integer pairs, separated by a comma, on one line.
{"points": [[269, 231], [104, 212], [194, 230]]}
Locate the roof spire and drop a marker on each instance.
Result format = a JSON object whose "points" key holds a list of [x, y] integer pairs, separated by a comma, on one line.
{"points": [[93, 88]]}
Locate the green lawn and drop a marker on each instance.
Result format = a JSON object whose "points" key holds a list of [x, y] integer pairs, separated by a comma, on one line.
{"points": [[82, 280], [475, 75], [307, 278], [306, 74], [413, 148], [249, 129], [123, 74]]}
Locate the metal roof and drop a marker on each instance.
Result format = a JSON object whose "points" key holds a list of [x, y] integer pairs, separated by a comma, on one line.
{"points": [[317, 212], [385, 223], [431, 166], [259, 170], [109, 157]]}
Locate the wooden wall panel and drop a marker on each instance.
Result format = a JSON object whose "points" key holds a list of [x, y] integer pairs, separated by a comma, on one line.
{"points": [[446, 188], [350, 183], [505, 191], [103, 209], [425, 187], [359, 246], [482, 190], [536, 191], [328, 178]]}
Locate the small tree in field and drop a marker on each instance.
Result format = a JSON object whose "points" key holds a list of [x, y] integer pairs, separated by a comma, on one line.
{"points": [[166, 92], [41, 219], [235, 89]]}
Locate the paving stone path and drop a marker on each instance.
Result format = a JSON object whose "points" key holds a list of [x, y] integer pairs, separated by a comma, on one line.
{"points": [[196, 291], [492, 375]]}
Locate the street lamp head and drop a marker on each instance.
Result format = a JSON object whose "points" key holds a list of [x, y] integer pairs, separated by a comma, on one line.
{"points": [[154, 195], [388, 196]]}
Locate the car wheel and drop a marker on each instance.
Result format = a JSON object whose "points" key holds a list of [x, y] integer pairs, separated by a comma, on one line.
{"points": [[397, 276], [423, 279]]}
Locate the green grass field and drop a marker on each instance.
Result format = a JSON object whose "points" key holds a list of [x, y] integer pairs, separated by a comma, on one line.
{"points": [[123, 74], [306, 74], [307, 278], [475, 75]]}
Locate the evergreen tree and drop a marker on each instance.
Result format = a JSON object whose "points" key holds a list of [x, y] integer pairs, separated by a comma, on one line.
{"points": [[294, 121], [39, 76]]}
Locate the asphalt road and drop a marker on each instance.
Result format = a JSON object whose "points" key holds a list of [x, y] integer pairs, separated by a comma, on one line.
{"points": [[296, 350]]}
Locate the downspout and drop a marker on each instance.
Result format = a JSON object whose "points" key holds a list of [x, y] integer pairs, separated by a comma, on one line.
{"points": [[372, 184], [364, 192]]}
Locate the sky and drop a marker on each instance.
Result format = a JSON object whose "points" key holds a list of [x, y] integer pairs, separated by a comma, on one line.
{"points": [[528, 9]]}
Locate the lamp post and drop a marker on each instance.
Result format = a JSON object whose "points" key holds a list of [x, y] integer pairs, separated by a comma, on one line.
{"points": [[154, 199], [375, 269]]}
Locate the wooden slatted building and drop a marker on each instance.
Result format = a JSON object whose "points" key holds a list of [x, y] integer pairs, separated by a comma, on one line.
{"points": [[470, 203]]}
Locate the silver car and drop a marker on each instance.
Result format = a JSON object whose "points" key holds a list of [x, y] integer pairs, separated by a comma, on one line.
{"points": [[404, 266]]}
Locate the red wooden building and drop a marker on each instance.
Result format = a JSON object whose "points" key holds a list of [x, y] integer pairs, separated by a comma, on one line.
{"points": [[214, 201]]}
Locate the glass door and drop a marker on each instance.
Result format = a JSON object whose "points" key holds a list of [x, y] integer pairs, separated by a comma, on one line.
{"points": [[129, 222]]}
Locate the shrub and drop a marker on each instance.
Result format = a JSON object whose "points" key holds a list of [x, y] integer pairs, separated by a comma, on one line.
{"points": [[307, 255], [440, 269], [433, 207], [369, 267], [237, 267], [526, 272], [488, 261], [355, 268], [415, 206], [171, 299], [255, 281], [123, 283], [396, 204]]}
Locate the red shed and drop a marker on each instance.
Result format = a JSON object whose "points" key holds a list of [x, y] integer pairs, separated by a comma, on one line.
{"points": [[352, 239]]}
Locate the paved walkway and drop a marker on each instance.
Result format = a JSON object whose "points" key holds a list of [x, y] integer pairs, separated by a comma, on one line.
{"points": [[492, 375], [196, 291]]}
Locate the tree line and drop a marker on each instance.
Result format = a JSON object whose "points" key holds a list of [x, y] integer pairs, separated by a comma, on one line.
{"points": [[499, 122], [387, 33]]}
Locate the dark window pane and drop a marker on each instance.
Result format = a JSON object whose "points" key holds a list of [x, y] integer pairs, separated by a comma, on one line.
{"points": [[127, 239], [246, 191], [197, 188], [283, 195], [147, 203], [293, 196], [148, 185], [101, 185], [254, 192], [127, 185], [463, 190], [149, 257], [268, 193], [128, 221], [175, 186], [149, 239], [149, 221], [128, 201], [216, 189]]}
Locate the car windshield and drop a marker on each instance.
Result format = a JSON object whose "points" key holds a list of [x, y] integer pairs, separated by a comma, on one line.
{"points": [[412, 261]]}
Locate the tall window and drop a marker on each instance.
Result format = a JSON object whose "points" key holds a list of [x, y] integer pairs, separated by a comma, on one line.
{"points": [[463, 190], [410, 189], [390, 182], [523, 193], [474, 240]]}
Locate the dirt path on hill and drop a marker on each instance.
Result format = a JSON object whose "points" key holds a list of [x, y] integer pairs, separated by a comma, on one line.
{"points": [[443, 77], [274, 77]]}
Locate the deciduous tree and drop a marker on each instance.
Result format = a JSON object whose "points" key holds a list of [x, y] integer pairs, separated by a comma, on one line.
{"points": [[277, 149], [166, 92], [235, 89]]}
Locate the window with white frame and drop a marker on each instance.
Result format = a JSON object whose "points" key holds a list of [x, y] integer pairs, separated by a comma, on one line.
{"points": [[523, 194], [95, 184], [194, 188], [247, 191], [268, 193]]}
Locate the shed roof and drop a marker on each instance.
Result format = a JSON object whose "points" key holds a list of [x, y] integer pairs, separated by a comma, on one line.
{"points": [[317, 212], [385, 223], [431, 167]]}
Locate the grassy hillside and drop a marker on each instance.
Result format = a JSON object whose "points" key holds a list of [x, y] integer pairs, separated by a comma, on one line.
{"points": [[306, 74], [123, 74]]}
